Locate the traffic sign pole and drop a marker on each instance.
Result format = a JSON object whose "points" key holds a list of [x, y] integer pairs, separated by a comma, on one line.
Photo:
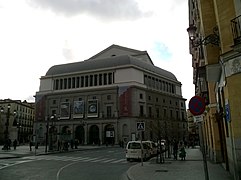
{"points": [[197, 107]]}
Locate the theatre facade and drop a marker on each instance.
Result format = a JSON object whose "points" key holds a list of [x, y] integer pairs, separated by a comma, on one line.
{"points": [[101, 100]]}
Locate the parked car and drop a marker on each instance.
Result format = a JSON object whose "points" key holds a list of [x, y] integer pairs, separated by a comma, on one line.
{"points": [[153, 147], [133, 150]]}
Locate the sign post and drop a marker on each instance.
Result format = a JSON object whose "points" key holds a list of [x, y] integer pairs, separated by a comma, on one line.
{"points": [[140, 126], [197, 107]]}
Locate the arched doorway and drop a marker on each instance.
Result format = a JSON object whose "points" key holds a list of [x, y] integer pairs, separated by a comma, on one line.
{"points": [[109, 134], [80, 134], [66, 133], [94, 135]]}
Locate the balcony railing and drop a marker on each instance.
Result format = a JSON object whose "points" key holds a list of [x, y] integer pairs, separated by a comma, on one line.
{"points": [[236, 29]]}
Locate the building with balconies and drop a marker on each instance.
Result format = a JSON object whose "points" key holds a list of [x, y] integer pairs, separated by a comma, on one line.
{"points": [[214, 28], [19, 118]]}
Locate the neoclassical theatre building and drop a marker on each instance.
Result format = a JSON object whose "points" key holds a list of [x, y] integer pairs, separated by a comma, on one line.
{"points": [[102, 100]]}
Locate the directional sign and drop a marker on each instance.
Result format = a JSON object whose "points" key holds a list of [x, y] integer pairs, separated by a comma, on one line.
{"points": [[140, 126], [196, 105]]}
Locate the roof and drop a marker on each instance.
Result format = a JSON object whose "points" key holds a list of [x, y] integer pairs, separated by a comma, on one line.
{"points": [[125, 50], [110, 62]]}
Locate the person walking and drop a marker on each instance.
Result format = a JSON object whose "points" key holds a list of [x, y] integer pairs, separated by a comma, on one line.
{"points": [[15, 144], [182, 153], [175, 149], [30, 145]]}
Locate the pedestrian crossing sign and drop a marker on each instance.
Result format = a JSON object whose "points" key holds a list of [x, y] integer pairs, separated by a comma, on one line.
{"points": [[140, 126]]}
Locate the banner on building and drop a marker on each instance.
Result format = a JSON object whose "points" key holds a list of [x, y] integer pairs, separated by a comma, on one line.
{"points": [[125, 97], [78, 109], [92, 108], [64, 110]]}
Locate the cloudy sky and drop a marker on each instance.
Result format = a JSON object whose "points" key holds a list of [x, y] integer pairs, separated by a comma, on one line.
{"points": [[37, 34]]}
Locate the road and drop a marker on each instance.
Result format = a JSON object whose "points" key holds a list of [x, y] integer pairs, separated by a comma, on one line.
{"points": [[96, 164]]}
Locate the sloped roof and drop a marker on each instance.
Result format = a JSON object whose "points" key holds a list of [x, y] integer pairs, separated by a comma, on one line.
{"points": [[133, 52], [111, 62]]}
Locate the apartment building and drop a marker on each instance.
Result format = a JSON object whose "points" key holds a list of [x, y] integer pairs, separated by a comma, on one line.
{"points": [[215, 46]]}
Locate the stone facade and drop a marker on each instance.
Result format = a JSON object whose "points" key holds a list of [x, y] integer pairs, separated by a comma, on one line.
{"points": [[100, 100]]}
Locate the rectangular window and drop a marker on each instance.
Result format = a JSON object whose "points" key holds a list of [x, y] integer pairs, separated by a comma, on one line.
{"points": [[73, 82], [164, 112], [69, 83], [150, 112], [65, 83], [109, 78], [145, 79], [141, 96], [105, 79], [61, 84], [56, 84], [95, 79], [78, 82], [141, 110], [91, 80], [108, 111], [177, 115], [82, 81], [100, 79], [86, 81], [183, 117], [108, 97], [157, 113]]}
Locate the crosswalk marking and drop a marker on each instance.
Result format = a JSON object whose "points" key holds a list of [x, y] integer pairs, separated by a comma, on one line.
{"points": [[76, 159], [120, 160]]}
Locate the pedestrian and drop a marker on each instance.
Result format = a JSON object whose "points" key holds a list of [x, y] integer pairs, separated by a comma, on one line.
{"points": [[175, 149], [182, 153], [30, 145], [15, 144], [9, 142]]}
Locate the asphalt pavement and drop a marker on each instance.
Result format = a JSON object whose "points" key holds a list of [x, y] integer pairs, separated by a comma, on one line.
{"points": [[190, 169]]}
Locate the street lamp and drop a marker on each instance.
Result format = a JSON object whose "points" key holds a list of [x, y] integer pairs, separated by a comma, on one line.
{"points": [[52, 118], [6, 132], [210, 39]]}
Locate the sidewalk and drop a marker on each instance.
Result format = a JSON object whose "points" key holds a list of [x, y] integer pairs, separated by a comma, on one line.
{"points": [[24, 150], [190, 169]]}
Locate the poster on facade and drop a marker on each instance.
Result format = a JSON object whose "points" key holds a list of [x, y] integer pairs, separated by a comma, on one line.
{"points": [[78, 109], [40, 107], [64, 110], [92, 108], [125, 100], [110, 134]]}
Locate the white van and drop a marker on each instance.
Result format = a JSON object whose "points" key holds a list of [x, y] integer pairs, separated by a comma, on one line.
{"points": [[133, 150]]}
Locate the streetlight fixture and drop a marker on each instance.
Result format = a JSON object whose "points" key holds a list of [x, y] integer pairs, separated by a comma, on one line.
{"points": [[6, 132], [52, 128], [210, 39]]}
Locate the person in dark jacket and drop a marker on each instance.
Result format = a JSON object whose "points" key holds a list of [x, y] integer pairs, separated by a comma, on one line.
{"points": [[175, 149]]}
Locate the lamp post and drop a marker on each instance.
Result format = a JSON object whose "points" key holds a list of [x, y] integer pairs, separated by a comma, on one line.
{"points": [[6, 132], [210, 39], [52, 118]]}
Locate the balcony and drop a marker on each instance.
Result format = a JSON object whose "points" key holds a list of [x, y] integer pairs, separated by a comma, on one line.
{"points": [[236, 30]]}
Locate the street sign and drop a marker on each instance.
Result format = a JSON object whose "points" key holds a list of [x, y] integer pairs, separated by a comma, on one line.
{"points": [[198, 118], [227, 112], [140, 126], [196, 105]]}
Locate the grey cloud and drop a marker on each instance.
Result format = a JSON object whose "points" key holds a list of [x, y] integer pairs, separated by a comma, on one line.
{"points": [[103, 9]]}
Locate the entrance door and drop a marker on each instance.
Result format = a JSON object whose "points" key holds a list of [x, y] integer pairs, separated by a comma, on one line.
{"points": [[94, 135], [80, 134]]}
